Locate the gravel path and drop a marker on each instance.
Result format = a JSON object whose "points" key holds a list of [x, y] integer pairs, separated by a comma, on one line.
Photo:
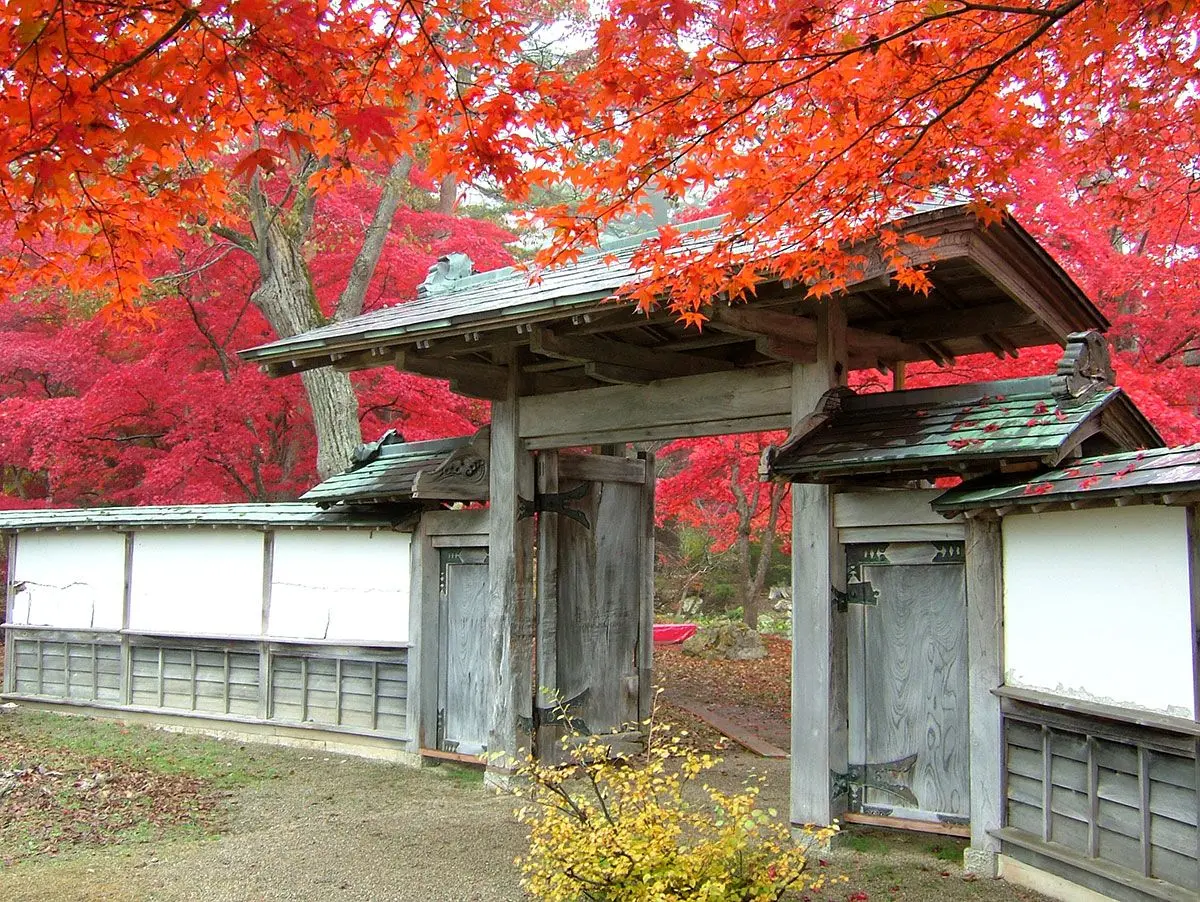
{"points": [[331, 829], [326, 829]]}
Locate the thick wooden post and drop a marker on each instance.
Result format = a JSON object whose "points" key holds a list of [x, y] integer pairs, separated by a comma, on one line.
{"points": [[819, 712], [547, 614], [985, 672], [510, 583]]}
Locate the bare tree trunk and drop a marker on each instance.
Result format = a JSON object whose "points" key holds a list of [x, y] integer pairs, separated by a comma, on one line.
{"points": [[335, 418], [777, 492], [287, 300], [447, 195], [745, 514], [286, 297], [751, 579]]}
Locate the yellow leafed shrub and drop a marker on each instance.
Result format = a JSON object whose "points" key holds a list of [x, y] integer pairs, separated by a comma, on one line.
{"points": [[644, 829]]}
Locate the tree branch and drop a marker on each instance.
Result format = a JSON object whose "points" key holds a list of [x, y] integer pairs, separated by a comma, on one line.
{"points": [[167, 36], [350, 303], [234, 237]]}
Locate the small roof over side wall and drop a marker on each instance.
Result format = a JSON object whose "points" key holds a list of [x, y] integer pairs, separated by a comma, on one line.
{"points": [[966, 429], [1159, 475], [389, 470], [994, 290], [284, 515]]}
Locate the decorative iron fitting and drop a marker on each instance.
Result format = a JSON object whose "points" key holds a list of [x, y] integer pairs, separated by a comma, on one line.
{"points": [[856, 593], [555, 503]]}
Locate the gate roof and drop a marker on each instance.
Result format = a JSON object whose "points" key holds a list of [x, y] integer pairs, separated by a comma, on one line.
{"points": [[1160, 475], [994, 290], [963, 430]]}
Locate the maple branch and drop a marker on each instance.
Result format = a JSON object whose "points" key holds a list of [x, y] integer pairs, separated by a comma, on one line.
{"points": [[233, 236], [308, 197], [149, 50], [196, 270], [350, 303], [207, 334], [33, 42], [233, 474]]}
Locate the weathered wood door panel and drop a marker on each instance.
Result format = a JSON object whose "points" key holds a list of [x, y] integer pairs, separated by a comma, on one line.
{"points": [[465, 692], [594, 591], [909, 738]]}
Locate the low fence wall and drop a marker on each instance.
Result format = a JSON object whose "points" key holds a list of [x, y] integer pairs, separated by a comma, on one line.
{"points": [[1105, 798], [352, 689]]}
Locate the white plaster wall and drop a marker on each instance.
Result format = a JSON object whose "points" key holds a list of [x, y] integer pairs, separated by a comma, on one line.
{"points": [[1097, 606], [70, 579], [193, 581], [346, 586]]}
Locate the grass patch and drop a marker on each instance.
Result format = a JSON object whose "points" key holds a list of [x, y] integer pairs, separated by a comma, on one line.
{"points": [[867, 843], [460, 774], [946, 850], [72, 782]]}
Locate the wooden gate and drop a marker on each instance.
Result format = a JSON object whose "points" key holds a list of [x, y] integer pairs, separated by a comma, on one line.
{"points": [[909, 735], [595, 591], [465, 692]]}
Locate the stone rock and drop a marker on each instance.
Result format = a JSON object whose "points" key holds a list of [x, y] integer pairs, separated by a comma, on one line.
{"points": [[727, 642]]}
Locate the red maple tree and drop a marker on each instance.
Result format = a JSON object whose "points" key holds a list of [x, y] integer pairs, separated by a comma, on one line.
{"points": [[161, 410]]}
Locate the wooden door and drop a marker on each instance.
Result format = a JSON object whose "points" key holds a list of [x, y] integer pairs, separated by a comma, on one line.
{"points": [[465, 693], [595, 591], [909, 734]]}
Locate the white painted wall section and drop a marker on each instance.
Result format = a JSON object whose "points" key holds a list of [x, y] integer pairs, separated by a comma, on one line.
{"points": [[69, 579], [345, 586], [197, 582], [1097, 606]]}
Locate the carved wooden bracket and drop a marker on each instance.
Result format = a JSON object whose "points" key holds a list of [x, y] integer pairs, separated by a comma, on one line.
{"points": [[830, 405], [1084, 366], [463, 476]]}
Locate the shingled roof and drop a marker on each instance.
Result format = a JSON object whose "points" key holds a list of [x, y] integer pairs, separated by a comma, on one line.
{"points": [[993, 290], [967, 429], [1165, 475]]}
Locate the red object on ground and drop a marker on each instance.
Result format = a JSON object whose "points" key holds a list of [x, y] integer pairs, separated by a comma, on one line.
{"points": [[672, 633]]}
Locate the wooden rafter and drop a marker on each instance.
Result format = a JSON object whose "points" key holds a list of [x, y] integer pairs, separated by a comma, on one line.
{"points": [[588, 350]]}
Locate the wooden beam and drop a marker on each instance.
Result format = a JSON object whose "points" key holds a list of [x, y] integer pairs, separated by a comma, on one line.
{"points": [[712, 404], [348, 362], [749, 320], [548, 730], [645, 646], [782, 349], [820, 716], [753, 321], [985, 672], [615, 374], [600, 350], [511, 612], [475, 380], [943, 325]]}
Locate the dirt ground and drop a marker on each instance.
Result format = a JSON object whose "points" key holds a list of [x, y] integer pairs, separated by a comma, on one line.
{"points": [[754, 695], [330, 828]]}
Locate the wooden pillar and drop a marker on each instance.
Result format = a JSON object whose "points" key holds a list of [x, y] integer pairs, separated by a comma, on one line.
{"points": [[510, 582], [126, 607], [819, 712], [985, 672], [548, 731], [645, 647], [1193, 542], [10, 600]]}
